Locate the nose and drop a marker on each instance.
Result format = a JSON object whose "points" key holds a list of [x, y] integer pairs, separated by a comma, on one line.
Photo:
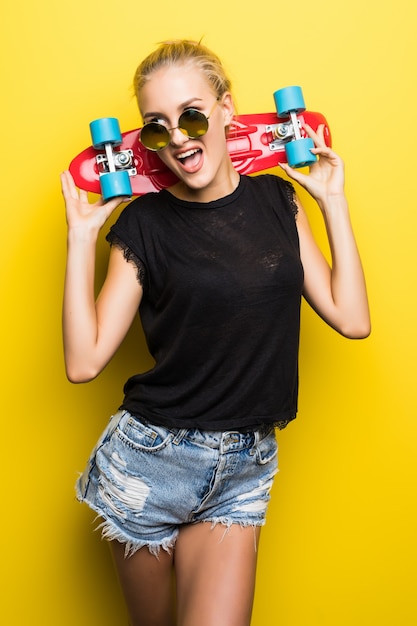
{"points": [[178, 138]]}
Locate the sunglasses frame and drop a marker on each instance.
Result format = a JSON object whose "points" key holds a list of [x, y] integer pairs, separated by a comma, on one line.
{"points": [[183, 130]]}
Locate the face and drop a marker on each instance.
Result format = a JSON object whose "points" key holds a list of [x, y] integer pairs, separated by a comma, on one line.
{"points": [[202, 165]]}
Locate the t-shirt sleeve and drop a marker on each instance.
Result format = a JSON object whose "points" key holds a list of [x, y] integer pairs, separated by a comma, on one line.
{"points": [[125, 235]]}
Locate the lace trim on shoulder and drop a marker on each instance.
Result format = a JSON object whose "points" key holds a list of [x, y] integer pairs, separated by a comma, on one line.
{"points": [[130, 256], [290, 193]]}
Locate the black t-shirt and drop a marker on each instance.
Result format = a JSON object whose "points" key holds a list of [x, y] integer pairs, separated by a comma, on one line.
{"points": [[220, 310]]}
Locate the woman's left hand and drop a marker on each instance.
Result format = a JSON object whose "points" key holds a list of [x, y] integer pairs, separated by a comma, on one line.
{"points": [[326, 177]]}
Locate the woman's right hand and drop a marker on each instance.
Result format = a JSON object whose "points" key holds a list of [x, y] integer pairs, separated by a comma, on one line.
{"points": [[82, 214]]}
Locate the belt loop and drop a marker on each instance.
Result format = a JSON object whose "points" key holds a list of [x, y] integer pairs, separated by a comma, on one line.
{"points": [[180, 436]]}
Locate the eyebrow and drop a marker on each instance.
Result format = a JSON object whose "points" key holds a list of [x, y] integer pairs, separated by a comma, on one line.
{"points": [[182, 106]]}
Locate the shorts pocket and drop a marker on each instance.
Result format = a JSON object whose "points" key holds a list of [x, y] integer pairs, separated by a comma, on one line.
{"points": [[267, 448], [143, 436]]}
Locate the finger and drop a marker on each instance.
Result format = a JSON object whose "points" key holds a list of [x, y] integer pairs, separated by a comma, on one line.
{"points": [[327, 153], [113, 203], [317, 136], [68, 187], [83, 195], [292, 173]]}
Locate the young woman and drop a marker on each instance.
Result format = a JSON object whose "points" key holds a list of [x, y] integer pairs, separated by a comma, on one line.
{"points": [[216, 265]]}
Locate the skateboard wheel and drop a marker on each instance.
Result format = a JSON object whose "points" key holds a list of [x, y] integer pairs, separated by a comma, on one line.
{"points": [[298, 152], [115, 185], [289, 99], [105, 130]]}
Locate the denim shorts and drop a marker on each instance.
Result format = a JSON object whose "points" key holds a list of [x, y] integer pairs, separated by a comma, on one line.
{"points": [[146, 481]]}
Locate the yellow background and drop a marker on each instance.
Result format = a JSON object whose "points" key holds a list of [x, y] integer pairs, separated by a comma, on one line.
{"points": [[340, 545]]}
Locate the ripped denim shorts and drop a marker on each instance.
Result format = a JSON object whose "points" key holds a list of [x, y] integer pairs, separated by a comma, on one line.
{"points": [[146, 481]]}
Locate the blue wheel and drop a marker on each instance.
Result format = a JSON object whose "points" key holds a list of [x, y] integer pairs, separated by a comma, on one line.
{"points": [[289, 99], [105, 130], [115, 185], [298, 152]]}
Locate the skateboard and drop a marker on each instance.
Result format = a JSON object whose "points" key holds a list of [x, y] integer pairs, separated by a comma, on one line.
{"points": [[117, 164]]}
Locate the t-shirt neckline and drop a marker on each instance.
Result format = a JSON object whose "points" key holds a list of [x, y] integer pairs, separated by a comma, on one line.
{"points": [[213, 204]]}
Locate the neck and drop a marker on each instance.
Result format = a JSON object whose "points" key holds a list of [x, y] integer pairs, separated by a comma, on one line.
{"points": [[215, 191]]}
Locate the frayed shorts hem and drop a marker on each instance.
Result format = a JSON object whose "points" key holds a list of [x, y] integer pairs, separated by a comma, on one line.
{"points": [[139, 481], [110, 532]]}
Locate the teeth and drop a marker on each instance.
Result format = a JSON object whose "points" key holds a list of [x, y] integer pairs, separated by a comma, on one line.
{"points": [[184, 155]]}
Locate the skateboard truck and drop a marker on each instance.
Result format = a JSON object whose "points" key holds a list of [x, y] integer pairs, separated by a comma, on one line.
{"points": [[289, 103], [115, 167], [123, 160]]}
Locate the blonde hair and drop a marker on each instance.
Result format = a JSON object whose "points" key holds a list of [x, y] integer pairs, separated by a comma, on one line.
{"points": [[179, 52]]}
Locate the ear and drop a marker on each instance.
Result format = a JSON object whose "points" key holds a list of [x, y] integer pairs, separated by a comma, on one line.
{"points": [[228, 107]]}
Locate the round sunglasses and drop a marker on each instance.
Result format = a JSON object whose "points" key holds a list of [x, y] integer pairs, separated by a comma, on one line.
{"points": [[192, 123]]}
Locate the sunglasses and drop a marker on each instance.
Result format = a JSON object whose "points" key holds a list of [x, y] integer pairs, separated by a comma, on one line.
{"points": [[192, 123]]}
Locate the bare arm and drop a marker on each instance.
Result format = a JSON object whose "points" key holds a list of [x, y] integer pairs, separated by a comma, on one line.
{"points": [[337, 293], [93, 330]]}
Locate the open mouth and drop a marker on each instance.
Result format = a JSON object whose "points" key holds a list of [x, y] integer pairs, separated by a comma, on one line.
{"points": [[191, 158]]}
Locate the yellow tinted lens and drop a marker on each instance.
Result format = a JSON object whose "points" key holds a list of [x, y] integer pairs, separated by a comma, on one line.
{"points": [[193, 123], [154, 136]]}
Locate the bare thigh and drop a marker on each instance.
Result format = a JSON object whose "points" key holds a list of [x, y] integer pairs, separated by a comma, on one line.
{"points": [[147, 585], [215, 573]]}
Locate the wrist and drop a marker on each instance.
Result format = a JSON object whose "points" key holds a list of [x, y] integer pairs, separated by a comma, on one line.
{"points": [[333, 202], [82, 232], [82, 235]]}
